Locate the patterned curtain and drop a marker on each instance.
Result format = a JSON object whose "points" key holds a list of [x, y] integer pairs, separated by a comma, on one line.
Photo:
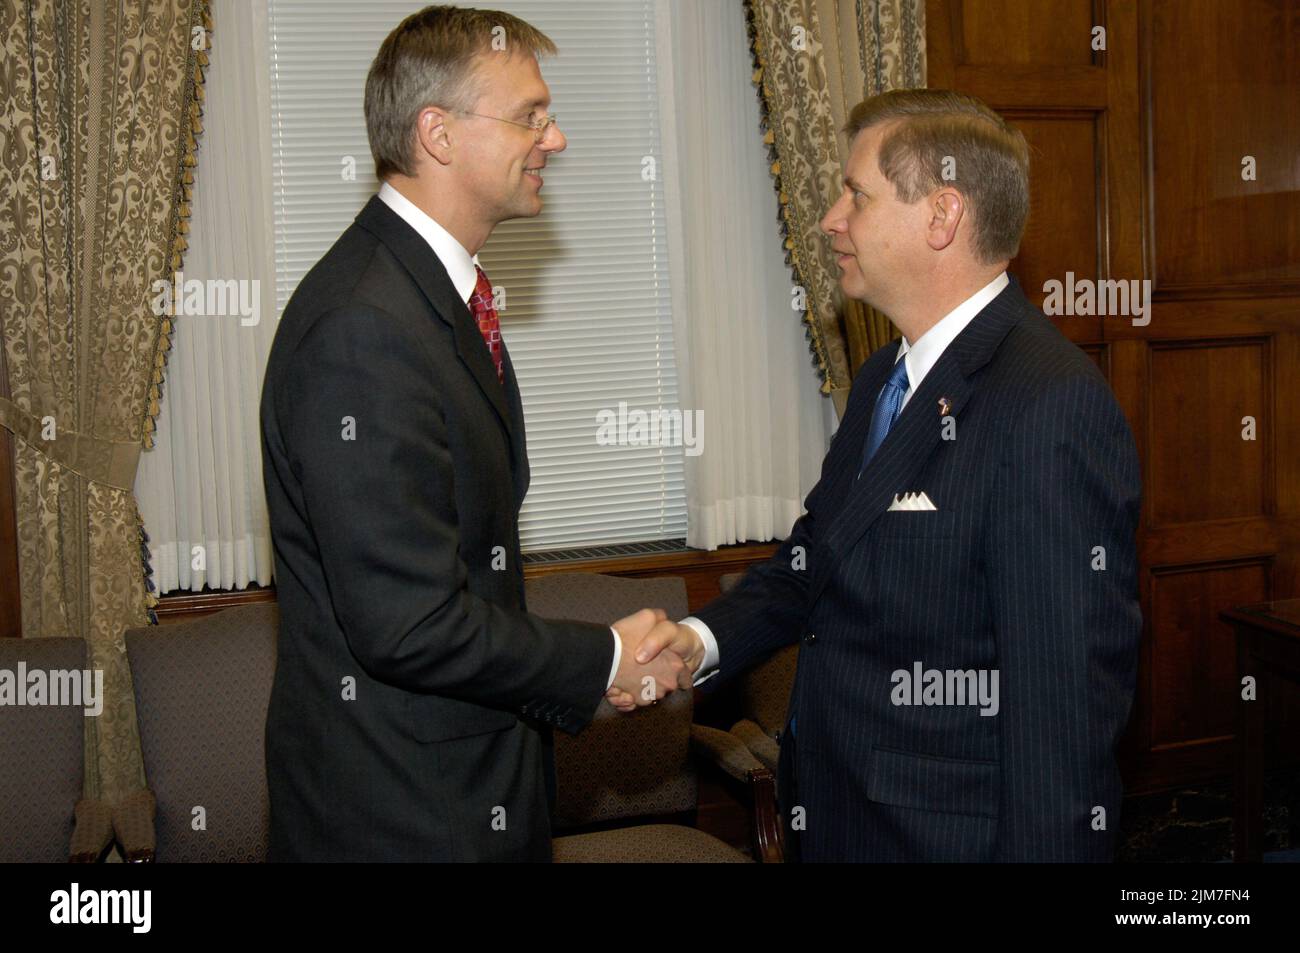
{"points": [[814, 61], [97, 151]]}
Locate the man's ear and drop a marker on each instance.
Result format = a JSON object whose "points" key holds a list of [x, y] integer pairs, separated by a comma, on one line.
{"points": [[433, 133], [946, 208]]}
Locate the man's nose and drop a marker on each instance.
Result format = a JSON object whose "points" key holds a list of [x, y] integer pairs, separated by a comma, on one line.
{"points": [[554, 141], [832, 221]]}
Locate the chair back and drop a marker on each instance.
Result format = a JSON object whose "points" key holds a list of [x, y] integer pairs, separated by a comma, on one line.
{"points": [[621, 765], [42, 751], [201, 691]]}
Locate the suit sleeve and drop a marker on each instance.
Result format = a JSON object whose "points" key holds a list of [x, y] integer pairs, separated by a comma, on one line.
{"points": [[382, 509], [1067, 629]]}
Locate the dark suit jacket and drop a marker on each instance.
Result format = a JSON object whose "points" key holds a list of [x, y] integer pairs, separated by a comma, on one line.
{"points": [[413, 697], [999, 577]]}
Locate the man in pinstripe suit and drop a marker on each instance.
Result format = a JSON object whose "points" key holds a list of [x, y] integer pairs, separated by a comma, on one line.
{"points": [[963, 582]]}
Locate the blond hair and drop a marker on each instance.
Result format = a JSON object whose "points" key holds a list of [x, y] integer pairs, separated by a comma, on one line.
{"points": [[428, 60], [937, 130]]}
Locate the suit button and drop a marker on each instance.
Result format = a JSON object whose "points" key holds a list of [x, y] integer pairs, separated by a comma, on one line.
{"points": [[809, 638]]}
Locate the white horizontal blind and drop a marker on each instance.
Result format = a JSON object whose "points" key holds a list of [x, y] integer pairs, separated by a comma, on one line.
{"points": [[587, 313]]}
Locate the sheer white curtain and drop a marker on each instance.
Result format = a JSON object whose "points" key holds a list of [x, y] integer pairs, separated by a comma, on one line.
{"points": [[742, 357], [200, 488]]}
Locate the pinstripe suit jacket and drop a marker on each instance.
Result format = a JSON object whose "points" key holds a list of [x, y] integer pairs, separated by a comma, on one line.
{"points": [[1037, 469]]}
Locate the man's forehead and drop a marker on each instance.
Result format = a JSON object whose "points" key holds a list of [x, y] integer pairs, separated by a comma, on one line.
{"points": [[511, 79], [863, 151]]}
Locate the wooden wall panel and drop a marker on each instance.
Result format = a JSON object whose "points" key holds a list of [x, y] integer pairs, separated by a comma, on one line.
{"points": [[1224, 84], [997, 32], [1064, 206], [1193, 658], [1201, 467]]}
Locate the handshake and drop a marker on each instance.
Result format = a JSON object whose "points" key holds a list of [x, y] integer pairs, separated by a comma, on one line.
{"points": [[658, 657]]}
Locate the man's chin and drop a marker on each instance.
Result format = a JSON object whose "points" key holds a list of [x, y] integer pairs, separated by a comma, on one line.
{"points": [[852, 286]]}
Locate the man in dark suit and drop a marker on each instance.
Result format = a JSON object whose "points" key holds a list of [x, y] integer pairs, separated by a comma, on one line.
{"points": [[963, 583], [414, 696]]}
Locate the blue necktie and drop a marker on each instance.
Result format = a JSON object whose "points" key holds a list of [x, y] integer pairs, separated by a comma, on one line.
{"points": [[888, 405]]}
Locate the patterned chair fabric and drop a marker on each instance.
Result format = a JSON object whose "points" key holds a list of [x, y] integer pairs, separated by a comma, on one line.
{"points": [[647, 844], [202, 689], [42, 757], [622, 765]]}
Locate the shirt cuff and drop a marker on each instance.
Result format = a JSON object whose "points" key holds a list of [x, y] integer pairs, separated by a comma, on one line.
{"points": [[618, 657], [709, 667]]}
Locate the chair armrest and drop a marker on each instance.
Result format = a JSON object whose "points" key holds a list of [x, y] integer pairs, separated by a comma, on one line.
{"points": [[724, 750], [759, 742], [133, 826], [735, 760], [768, 833], [92, 831]]}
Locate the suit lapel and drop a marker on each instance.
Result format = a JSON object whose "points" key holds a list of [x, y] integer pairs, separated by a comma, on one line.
{"points": [[918, 429], [429, 274]]}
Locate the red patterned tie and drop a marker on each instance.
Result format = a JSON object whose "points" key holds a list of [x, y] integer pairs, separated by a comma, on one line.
{"points": [[480, 305]]}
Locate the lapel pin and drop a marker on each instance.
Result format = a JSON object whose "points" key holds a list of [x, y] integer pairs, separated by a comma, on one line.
{"points": [[945, 406]]}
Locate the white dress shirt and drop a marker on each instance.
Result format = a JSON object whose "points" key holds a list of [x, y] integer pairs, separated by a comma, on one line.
{"points": [[920, 358], [463, 271]]}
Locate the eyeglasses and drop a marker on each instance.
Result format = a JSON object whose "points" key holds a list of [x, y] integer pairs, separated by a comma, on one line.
{"points": [[538, 126]]}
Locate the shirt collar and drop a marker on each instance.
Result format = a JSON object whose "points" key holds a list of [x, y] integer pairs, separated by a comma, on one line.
{"points": [[461, 268], [929, 347]]}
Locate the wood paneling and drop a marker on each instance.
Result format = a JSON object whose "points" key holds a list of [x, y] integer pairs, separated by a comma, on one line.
{"points": [[1201, 466], [1193, 658], [1066, 207], [998, 32], [1224, 84]]}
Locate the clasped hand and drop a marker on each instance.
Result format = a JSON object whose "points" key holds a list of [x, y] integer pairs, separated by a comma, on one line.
{"points": [[658, 658]]}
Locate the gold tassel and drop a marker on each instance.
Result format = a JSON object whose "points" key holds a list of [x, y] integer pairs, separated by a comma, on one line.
{"points": [[776, 167], [770, 138]]}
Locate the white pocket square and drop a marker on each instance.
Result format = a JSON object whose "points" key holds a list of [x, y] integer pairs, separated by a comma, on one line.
{"points": [[910, 501]]}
